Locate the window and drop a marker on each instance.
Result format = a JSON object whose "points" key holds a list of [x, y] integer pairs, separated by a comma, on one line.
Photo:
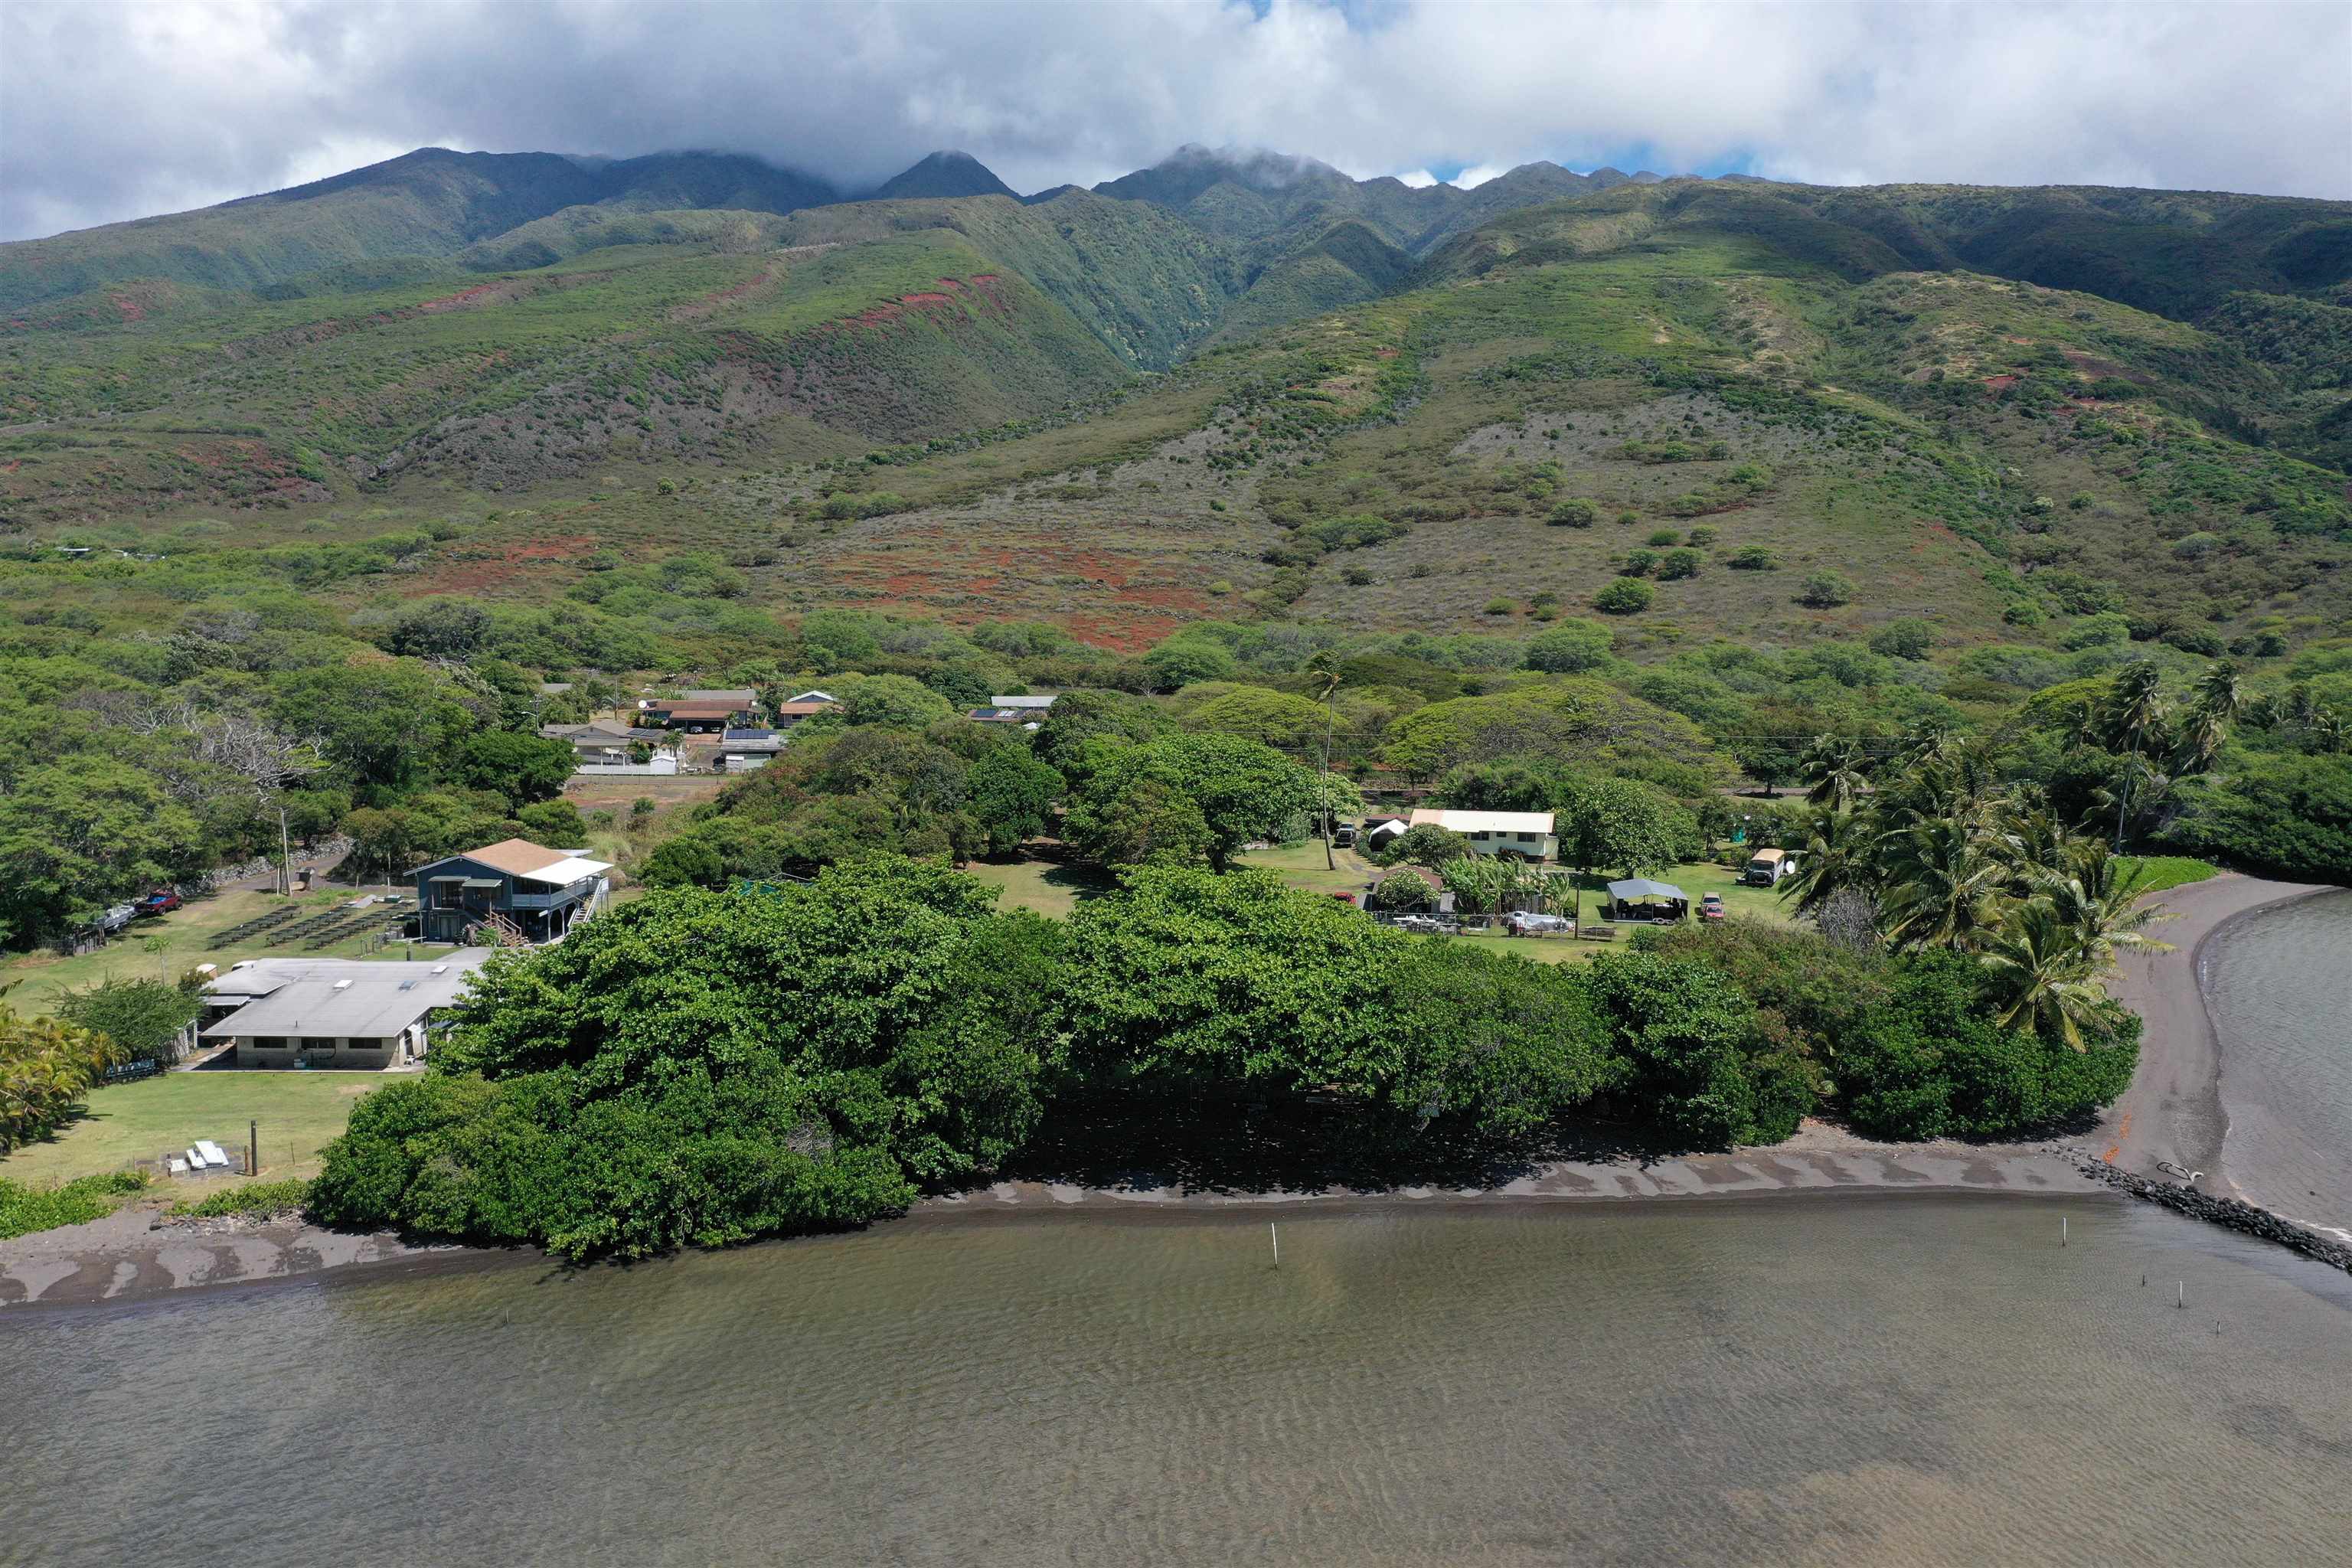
{"points": [[449, 895], [325, 1043], [268, 1042]]}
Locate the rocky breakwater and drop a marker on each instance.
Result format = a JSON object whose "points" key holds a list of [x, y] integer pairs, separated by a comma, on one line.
{"points": [[2228, 1213]]}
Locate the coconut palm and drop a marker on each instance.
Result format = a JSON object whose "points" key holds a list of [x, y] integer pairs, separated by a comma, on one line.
{"points": [[1944, 882], [2137, 712], [2221, 690], [2046, 983], [1833, 771], [1839, 856]]}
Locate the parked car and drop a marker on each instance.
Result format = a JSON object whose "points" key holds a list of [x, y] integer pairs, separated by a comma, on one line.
{"points": [[115, 918], [161, 902], [1528, 922], [1425, 924], [1710, 908], [1343, 837]]}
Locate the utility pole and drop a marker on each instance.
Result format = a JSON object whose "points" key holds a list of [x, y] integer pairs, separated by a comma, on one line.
{"points": [[285, 853]]}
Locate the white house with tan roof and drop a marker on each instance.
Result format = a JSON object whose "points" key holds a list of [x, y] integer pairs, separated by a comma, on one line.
{"points": [[513, 890], [1524, 835]]}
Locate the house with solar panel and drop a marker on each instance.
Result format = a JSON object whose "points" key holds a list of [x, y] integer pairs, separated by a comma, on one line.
{"points": [[508, 894]]}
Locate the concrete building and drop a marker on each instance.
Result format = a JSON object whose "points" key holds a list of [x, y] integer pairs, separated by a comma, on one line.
{"points": [[340, 1013]]}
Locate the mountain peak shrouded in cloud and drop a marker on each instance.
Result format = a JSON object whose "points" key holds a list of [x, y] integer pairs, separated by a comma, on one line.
{"points": [[116, 112], [944, 175]]}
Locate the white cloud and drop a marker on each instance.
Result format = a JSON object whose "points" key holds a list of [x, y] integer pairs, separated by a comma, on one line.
{"points": [[1419, 179], [114, 111], [1470, 179]]}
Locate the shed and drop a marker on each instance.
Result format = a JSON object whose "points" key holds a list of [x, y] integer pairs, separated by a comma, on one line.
{"points": [[1639, 897]]}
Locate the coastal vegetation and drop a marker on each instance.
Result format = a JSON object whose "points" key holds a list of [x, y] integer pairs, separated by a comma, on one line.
{"points": [[25, 1209], [699, 1067]]}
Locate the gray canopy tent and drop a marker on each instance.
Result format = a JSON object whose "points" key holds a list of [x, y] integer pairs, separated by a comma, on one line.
{"points": [[1624, 896]]}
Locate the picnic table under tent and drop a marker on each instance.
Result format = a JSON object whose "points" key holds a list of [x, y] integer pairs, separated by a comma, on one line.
{"points": [[1640, 898]]}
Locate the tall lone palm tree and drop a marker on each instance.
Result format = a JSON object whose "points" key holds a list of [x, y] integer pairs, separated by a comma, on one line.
{"points": [[2136, 711]]}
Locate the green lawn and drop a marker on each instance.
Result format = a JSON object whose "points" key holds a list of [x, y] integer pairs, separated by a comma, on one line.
{"points": [[299, 1114], [1301, 866], [186, 937], [2156, 873], [1039, 885]]}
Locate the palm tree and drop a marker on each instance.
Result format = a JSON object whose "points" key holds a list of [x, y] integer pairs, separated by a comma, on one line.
{"points": [[2093, 899], [1327, 675], [1838, 858], [2137, 712], [2048, 986], [2221, 690], [1944, 883], [1832, 769]]}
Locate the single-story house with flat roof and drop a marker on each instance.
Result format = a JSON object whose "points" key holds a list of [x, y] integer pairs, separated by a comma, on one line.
{"points": [[1524, 835], [511, 890], [342, 1012]]}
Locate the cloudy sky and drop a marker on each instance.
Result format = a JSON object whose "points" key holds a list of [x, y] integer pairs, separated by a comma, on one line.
{"points": [[111, 110]]}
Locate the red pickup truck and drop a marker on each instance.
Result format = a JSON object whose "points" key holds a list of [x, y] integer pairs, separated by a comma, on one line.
{"points": [[161, 902]]}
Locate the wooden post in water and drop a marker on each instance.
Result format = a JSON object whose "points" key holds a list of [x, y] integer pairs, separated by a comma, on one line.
{"points": [[2180, 1293], [1273, 1236], [2062, 1230]]}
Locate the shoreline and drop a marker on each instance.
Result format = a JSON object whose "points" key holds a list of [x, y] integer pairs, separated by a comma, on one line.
{"points": [[2172, 1109], [131, 1257]]}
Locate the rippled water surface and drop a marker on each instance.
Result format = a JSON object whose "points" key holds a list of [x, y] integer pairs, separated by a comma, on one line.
{"points": [[1853, 1380], [2280, 984]]}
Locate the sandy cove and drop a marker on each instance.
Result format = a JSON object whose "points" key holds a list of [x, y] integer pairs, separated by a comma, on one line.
{"points": [[2172, 1111]]}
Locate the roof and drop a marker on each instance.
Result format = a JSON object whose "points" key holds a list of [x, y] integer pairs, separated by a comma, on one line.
{"points": [[1769, 855], [797, 709], [515, 857], [813, 697], [694, 709], [339, 996], [1535, 822], [738, 694], [1044, 702], [1001, 715], [1642, 888], [566, 871]]}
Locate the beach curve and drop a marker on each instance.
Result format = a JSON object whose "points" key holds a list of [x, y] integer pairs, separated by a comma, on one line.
{"points": [[2172, 1113]]}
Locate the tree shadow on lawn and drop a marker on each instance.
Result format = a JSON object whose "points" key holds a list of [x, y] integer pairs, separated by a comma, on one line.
{"points": [[1234, 1147]]}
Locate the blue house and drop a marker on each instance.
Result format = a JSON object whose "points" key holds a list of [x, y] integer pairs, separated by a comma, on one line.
{"points": [[507, 893]]}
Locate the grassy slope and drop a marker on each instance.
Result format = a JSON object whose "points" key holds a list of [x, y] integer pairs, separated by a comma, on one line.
{"points": [[545, 414]]}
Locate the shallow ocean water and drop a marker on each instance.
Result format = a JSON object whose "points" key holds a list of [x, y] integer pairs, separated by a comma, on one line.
{"points": [[2279, 983], [1847, 1379]]}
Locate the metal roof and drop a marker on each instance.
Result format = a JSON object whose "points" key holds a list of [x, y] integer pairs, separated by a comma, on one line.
{"points": [[1536, 823], [565, 872], [1642, 888], [342, 997]]}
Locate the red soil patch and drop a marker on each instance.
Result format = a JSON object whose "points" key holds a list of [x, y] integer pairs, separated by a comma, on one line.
{"points": [[132, 310], [924, 298], [1999, 383], [461, 297]]}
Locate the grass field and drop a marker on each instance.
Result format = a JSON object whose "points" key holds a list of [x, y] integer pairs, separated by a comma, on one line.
{"points": [[1039, 885], [300, 1112], [167, 946], [2158, 873]]}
